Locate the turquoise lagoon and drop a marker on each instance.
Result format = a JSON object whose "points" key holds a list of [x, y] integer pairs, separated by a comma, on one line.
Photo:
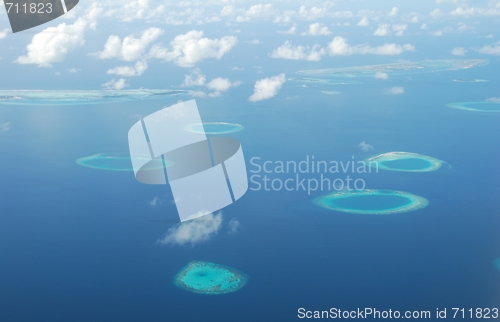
{"points": [[210, 278]]}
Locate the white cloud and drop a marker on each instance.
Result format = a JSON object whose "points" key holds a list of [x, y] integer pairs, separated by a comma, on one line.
{"points": [[219, 85], [423, 26], [465, 10], [73, 70], [255, 42], [491, 50], [116, 84], [5, 127], [129, 71], [458, 51], [267, 88], [316, 29], [233, 226], [394, 11], [190, 48], [438, 33], [399, 29], [363, 22], [436, 13], [52, 44], [396, 90], [382, 30], [288, 51], [339, 47], [194, 231], [290, 31], [131, 48], [257, 11], [155, 202], [365, 146], [3, 33], [194, 79], [380, 75], [491, 99]]}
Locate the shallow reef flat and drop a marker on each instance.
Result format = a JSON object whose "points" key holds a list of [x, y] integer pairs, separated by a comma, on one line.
{"points": [[210, 278], [405, 161], [496, 263], [76, 97], [214, 128], [330, 92], [470, 80], [118, 162], [321, 81], [406, 68], [372, 202], [481, 106]]}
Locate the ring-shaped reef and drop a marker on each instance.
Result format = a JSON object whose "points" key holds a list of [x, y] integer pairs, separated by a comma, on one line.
{"points": [[118, 162], [214, 128], [496, 263], [372, 202], [210, 278], [486, 106], [405, 161]]}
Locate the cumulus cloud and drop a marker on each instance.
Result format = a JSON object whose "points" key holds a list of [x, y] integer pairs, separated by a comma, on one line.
{"points": [[267, 88], [130, 48], [363, 22], [465, 10], [188, 49], [491, 99], [196, 78], [458, 51], [396, 90], [365, 146], [399, 29], [316, 29], [5, 127], [219, 85], [233, 226], [339, 47], [194, 231], [255, 42], [257, 11], [116, 84], [436, 13], [394, 11], [491, 50], [382, 30], [129, 71], [3, 33], [289, 51], [290, 31], [380, 75], [73, 70], [52, 44]]}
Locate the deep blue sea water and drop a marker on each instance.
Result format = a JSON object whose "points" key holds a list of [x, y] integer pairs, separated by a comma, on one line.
{"points": [[79, 244]]}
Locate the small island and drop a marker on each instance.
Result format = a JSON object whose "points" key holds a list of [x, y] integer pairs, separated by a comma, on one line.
{"points": [[210, 278], [486, 106]]}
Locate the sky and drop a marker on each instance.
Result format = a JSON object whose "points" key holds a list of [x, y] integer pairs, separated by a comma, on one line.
{"points": [[212, 47]]}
